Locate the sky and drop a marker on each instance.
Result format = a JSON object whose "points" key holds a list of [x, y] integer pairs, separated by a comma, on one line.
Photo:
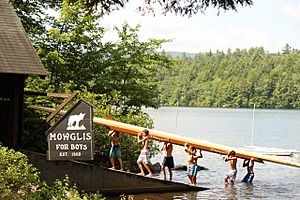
{"points": [[270, 24]]}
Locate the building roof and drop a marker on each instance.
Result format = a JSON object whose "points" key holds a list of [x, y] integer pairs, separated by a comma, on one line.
{"points": [[17, 54]]}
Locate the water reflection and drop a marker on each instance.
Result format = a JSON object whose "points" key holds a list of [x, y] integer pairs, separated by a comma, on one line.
{"points": [[229, 192]]}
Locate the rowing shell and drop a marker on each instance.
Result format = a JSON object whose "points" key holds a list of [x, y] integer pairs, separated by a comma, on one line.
{"points": [[180, 140]]}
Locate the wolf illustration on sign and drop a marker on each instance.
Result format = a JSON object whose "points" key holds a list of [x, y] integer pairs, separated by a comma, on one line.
{"points": [[74, 120]]}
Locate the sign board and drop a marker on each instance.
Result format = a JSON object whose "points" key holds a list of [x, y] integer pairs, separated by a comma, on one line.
{"points": [[72, 137]]}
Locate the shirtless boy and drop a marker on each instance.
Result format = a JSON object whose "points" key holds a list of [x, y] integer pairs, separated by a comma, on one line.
{"points": [[192, 163], [168, 159], [231, 174], [115, 151], [144, 157], [250, 172]]}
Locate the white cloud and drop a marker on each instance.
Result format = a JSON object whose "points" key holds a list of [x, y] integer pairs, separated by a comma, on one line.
{"points": [[202, 33], [293, 10], [202, 38]]}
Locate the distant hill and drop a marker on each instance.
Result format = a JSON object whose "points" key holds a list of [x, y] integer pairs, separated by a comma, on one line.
{"points": [[180, 54], [235, 79]]}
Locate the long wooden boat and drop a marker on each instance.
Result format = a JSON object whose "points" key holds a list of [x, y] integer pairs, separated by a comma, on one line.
{"points": [[180, 140]]}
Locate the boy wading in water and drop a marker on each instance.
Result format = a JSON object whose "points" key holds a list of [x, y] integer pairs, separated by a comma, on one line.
{"points": [[115, 151], [250, 173], [145, 154], [192, 167], [168, 159], [231, 174]]}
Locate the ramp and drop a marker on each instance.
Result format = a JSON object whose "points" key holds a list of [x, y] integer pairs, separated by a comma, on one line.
{"points": [[92, 178]]}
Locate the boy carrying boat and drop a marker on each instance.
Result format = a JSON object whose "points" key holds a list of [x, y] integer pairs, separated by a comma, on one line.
{"points": [[168, 159], [250, 172], [144, 157], [115, 151], [231, 174], [192, 168]]}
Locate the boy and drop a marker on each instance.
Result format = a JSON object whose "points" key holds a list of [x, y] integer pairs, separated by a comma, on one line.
{"points": [[115, 151], [231, 174], [168, 159], [196, 165], [192, 167], [250, 173], [144, 156]]}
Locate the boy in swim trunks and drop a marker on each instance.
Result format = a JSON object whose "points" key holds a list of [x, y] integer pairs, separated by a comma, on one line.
{"points": [[144, 157], [196, 165], [231, 174], [192, 163], [250, 173], [168, 159], [115, 151]]}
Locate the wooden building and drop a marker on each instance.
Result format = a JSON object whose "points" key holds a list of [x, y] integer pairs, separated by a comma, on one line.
{"points": [[17, 60]]}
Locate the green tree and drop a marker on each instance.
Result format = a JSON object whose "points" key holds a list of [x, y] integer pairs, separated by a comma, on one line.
{"points": [[32, 12], [17, 177], [72, 50], [239, 78], [181, 7], [20, 180], [130, 67]]}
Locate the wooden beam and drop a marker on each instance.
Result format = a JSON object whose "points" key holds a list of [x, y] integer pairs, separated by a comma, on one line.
{"points": [[41, 108], [61, 95], [49, 94]]}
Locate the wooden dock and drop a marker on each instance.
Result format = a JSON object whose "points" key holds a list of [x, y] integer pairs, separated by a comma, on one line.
{"points": [[93, 178]]}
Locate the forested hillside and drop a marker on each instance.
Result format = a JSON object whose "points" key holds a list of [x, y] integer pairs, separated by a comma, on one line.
{"points": [[236, 79]]}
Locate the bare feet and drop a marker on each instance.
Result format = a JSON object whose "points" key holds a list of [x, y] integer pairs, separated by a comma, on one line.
{"points": [[149, 175], [112, 168], [121, 169], [141, 174]]}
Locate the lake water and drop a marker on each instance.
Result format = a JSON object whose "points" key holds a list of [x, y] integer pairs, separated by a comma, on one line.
{"points": [[232, 127]]}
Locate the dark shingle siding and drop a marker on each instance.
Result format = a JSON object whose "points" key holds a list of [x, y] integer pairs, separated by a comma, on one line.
{"points": [[17, 54]]}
